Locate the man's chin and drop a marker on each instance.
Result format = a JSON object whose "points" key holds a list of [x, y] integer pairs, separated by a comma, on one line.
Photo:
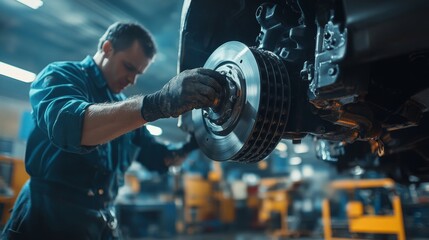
{"points": [[116, 91], [120, 89]]}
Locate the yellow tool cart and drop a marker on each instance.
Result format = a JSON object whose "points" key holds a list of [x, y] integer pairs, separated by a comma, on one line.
{"points": [[360, 219], [277, 200]]}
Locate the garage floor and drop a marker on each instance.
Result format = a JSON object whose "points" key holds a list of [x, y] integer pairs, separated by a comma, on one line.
{"points": [[242, 236], [231, 236]]}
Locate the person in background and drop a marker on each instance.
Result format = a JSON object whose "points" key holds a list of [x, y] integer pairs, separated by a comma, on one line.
{"points": [[86, 130]]}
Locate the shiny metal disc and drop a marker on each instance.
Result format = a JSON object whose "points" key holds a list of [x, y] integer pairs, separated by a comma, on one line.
{"points": [[259, 113], [226, 146]]}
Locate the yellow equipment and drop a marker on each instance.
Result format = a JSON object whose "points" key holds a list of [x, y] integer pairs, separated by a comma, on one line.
{"points": [[18, 177], [366, 223], [198, 199], [204, 201], [224, 204], [278, 201]]}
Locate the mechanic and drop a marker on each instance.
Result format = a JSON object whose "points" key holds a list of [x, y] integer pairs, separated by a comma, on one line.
{"points": [[85, 131]]}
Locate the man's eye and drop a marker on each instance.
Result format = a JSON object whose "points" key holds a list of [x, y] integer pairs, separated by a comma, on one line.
{"points": [[128, 67]]}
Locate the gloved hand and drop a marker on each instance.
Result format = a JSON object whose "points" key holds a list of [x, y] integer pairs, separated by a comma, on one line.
{"points": [[191, 89]]}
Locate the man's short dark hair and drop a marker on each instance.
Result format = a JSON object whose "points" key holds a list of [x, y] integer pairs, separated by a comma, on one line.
{"points": [[122, 35]]}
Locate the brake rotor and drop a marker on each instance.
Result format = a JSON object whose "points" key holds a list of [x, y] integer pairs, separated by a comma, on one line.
{"points": [[249, 122]]}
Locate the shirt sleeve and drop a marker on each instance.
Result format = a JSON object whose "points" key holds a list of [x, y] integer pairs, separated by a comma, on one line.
{"points": [[59, 99]]}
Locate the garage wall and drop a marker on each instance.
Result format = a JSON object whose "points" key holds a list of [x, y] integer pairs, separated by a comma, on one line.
{"points": [[11, 114]]}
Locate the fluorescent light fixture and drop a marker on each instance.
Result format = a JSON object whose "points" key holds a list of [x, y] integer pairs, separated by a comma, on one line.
{"points": [[16, 73], [34, 4], [154, 130], [295, 161]]}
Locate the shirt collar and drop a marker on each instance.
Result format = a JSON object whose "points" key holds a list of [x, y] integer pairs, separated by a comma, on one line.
{"points": [[93, 71]]}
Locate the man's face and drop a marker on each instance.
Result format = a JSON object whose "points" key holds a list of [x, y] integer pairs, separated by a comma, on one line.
{"points": [[121, 68]]}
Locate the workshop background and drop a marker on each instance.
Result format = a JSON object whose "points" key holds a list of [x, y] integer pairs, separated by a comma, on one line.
{"points": [[290, 194]]}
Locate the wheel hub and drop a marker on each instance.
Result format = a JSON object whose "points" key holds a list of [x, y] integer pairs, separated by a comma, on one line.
{"points": [[221, 118]]}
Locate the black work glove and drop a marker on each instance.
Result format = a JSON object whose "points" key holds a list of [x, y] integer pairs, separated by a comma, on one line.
{"points": [[191, 89]]}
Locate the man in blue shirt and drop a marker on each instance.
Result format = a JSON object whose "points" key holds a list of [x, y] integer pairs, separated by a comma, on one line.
{"points": [[84, 132]]}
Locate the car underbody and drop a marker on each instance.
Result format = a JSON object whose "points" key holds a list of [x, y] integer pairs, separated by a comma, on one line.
{"points": [[352, 74]]}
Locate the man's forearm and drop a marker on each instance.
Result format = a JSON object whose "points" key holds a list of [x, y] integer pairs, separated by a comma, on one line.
{"points": [[104, 122]]}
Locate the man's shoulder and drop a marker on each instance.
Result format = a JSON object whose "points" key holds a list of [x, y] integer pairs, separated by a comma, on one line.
{"points": [[65, 66], [68, 69], [61, 71]]}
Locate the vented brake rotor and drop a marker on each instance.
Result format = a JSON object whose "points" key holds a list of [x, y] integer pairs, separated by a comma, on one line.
{"points": [[249, 122]]}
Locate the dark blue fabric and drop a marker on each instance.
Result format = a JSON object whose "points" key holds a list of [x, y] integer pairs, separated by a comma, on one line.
{"points": [[59, 96], [40, 216]]}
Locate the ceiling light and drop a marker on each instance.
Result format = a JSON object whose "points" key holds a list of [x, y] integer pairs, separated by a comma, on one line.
{"points": [[154, 130], [283, 154], [295, 175], [16, 73], [301, 148], [34, 4], [295, 161], [282, 147], [307, 171]]}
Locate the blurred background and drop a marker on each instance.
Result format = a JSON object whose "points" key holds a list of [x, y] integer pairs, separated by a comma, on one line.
{"points": [[283, 196]]}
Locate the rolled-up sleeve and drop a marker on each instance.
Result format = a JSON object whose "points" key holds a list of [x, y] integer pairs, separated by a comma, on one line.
{"points": [[59, 102]]}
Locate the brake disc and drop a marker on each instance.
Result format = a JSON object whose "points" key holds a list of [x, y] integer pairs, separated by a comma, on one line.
{"points": [[251, 117]]}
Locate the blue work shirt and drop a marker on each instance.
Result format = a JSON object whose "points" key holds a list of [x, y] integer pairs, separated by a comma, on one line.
{"points": [[59, 97]]}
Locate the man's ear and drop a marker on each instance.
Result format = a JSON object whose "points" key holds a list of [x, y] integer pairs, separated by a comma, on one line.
{"points": [[107, 48]]}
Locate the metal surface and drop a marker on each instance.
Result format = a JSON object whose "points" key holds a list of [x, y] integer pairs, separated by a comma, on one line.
{"points": [[259, 105]]}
